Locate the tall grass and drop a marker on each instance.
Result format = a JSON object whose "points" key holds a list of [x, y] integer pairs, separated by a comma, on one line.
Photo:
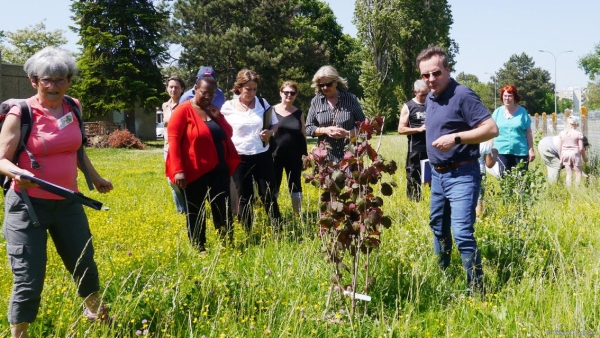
{"points": [[541, 264]]}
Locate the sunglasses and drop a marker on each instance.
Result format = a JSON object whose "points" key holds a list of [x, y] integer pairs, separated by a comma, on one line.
{"points": [[288, 93], [326, 84], [426, 76]]}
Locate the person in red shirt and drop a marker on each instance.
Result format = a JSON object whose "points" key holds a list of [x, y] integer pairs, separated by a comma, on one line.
{"points": [[201, 160], [54, 142]]}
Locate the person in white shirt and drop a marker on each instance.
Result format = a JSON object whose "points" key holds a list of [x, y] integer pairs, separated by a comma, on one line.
{"points": [[246, 115], [488, 157]]}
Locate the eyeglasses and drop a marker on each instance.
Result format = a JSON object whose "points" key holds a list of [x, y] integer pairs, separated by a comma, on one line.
{"points": [[426, 76], [326, 84], [286, 93], [422, 95], [47, 82]]}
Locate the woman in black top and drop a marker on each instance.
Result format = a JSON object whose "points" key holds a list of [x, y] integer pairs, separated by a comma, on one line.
{"points": [[333, 112], [289, 143]]}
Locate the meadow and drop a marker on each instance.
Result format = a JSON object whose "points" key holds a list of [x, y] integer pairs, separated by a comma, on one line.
{"points": [[540, 244]]}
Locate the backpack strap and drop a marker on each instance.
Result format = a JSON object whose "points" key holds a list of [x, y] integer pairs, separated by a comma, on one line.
{"points": [[81, 150], [26, 122], [262, 102]]}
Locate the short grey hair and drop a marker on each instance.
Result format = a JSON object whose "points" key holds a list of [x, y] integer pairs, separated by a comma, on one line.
{"points": [[420, 84], [51, 61], [330, 73]]}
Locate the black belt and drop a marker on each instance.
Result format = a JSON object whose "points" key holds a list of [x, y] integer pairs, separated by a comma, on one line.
{"points": [[451, 166]]}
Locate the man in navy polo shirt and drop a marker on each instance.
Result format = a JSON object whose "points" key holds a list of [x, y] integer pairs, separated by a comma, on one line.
{"points": [[219, 98], [456, 123]]}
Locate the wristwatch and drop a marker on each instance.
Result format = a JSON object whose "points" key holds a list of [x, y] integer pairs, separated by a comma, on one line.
{"points": [[457, 139]]}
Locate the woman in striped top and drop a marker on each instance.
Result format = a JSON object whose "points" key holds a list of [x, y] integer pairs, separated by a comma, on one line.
{"points": [[333, 112]]}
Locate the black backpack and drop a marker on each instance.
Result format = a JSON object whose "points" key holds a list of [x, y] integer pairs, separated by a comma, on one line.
{"points": [[26, 123]]}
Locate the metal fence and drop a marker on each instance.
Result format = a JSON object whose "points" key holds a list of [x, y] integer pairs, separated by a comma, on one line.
{"points": [[552, 124]]}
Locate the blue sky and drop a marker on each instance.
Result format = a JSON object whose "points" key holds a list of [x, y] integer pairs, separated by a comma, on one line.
{"points": [[487, 32]]}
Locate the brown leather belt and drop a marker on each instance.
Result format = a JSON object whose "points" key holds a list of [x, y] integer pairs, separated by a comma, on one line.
{"points": [[451, 166]]}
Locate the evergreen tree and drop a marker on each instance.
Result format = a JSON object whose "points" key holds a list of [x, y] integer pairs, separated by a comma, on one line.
{"points": [[279, 39], [120, 56], [532, 83]]}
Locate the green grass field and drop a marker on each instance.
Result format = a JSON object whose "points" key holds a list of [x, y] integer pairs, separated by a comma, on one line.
{"points": [[541, 259]]}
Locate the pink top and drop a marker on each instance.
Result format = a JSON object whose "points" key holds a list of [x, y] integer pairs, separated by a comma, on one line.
{"points": [[570, 139], [53, 143]]}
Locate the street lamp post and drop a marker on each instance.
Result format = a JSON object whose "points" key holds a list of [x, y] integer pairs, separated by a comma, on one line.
{"points": [[495, 89], [555, 80]]}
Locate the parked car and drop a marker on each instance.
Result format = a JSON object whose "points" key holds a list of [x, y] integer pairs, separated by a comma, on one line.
{"points": [[160, 130]]}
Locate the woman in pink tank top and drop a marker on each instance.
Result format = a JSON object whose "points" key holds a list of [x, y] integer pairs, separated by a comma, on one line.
{"points": [[54, 141], [571, 151]]}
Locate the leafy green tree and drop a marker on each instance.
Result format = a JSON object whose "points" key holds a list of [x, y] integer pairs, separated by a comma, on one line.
{"points": [[394, 32], [483, 90], [592, 95], [563, 104], [28, 41], [591, 63], [120, 54], [533, 83]]}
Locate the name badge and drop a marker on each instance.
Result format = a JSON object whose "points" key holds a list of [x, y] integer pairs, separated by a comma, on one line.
{"points": [[65, 121]]}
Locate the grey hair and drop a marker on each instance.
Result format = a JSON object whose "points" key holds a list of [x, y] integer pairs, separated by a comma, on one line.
{"points": [[330, 73], [420, 84], [51, 61]]}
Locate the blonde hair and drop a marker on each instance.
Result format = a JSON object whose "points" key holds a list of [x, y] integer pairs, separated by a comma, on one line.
{"points": [[572, 122], [292, 84], [330, 73]]}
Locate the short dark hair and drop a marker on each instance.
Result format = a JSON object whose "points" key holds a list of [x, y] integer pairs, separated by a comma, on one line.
{"points": [[431, 51], [207, 79]]}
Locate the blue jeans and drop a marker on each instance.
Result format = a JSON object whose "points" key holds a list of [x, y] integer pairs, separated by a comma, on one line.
{"points": [[453, 199], [178, 198]]}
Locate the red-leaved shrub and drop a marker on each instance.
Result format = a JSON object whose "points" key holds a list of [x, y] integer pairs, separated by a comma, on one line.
{"points": [[124, 139]]}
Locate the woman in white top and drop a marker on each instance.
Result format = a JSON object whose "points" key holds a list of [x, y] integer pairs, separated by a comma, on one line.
{"points": [[175, 87], [246, 115]]}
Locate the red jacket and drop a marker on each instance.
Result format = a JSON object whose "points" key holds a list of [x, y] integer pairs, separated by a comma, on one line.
{"points": [[191, 147]]}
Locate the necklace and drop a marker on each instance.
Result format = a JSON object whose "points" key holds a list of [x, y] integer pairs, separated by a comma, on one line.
{"points": [[245, 106]]}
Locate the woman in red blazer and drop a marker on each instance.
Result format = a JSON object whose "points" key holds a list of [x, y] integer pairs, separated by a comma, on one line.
{"points": [[201, 160]]}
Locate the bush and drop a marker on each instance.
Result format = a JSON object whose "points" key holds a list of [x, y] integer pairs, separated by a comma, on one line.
{"points": [[124, 139]]}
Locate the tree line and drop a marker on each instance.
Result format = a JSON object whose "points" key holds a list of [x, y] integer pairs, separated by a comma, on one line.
{"points": [[124, 50]]}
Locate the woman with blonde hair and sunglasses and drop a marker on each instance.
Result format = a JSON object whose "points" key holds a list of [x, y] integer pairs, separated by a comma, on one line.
{"points": [[333, 112], [289, 143]]}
